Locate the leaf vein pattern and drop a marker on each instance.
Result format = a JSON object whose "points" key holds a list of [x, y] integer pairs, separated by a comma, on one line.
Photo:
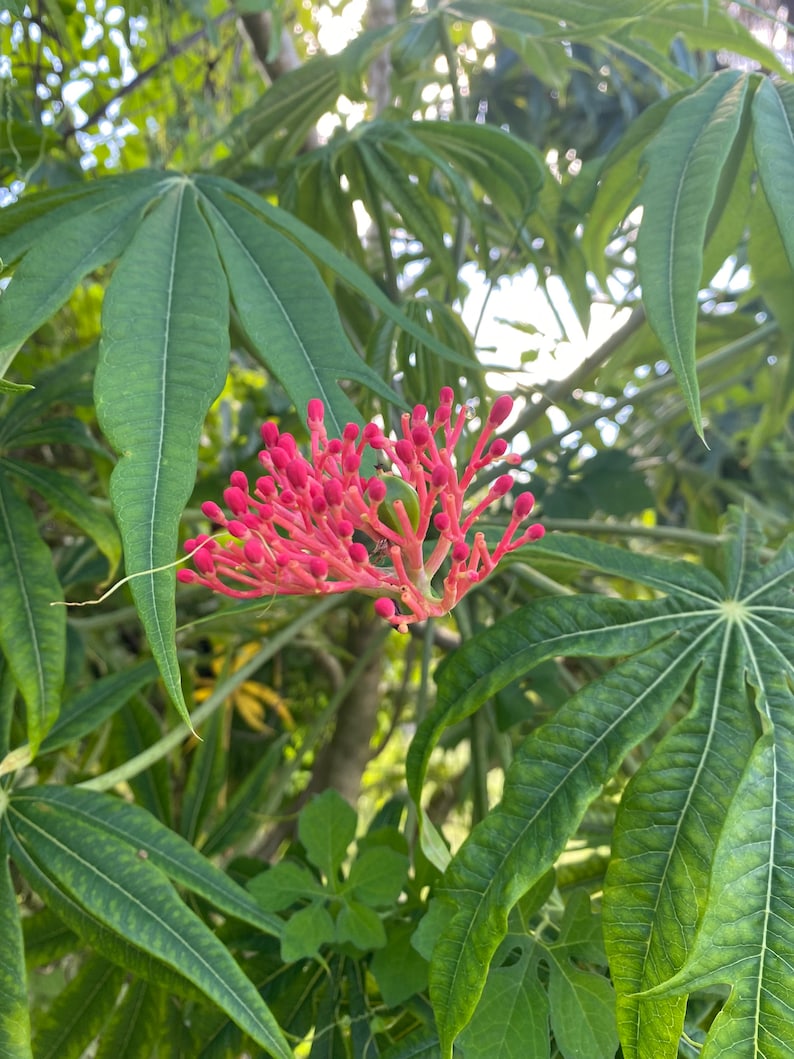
{"points": [[126, 895], [29, 619], [491, 881]]}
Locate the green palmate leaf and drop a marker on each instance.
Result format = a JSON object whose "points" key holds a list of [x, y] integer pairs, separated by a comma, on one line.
{"points": [[79, 1011], [282, 885], [284, 114], [135, 729], [773, 140], [67, 381], [162, 361], [377, 877], [509, 171], [747, 935], [81, 923], [306, 933], [240, 814], [387, 178], [34, 216], [146, 837], [582, 1012], [398, 968], [32, 632], [684, 164], [86, 711], [618, 183], [286, 311], [66, 495], [361, 926], [43, 280], [667, 827], [14, 1018], [666, 840], [554, 776], [136, 1025], [47, 938], [546, 629], [205, 778], [746, 938], [324, 252], [131, 896], [326, 827], [512, 1018]]}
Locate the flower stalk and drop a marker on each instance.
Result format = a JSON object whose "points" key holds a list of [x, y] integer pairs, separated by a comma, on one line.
{"points": [[314, 526]]}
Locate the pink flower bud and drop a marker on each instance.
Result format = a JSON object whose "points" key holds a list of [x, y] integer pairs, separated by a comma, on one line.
{"points": [[297, 473], [235, 499], [376, 489], [204, 561], [237, 529], [420, 435], [253, 551], [497, 449], [502, 485], [288, 443], [318, 567], [240, 480], [523, 505], [265, 486], [441, 521], [536, 532], [319, 506], [439, 477], [315, 412], [500, 410], [404, 450], [333, 492], [280, 457], [352, 462], [447, 395], [419, 414], [385, 607], [187, 577], [351, 432], [460, 553], [269, 433], [213, 512], [345, 527], [334, 446], [358, 553]]}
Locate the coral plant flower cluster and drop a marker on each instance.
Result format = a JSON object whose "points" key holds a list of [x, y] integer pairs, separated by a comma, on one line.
{"points": [[318, 525]]}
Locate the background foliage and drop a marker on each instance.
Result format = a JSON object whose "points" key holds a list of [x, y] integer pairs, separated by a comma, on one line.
{"points": [[556, 823]]}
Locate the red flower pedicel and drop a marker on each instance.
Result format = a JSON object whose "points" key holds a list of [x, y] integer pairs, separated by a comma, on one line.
{"points": [[292, 531]]}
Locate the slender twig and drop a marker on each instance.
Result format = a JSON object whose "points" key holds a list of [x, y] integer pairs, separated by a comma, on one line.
{"points": [[171, 52], [559, 390], [651, 389], [222, 691]]}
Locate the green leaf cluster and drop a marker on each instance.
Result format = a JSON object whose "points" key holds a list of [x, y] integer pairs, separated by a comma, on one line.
{"points": [[339, 908], [675, 840]]}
